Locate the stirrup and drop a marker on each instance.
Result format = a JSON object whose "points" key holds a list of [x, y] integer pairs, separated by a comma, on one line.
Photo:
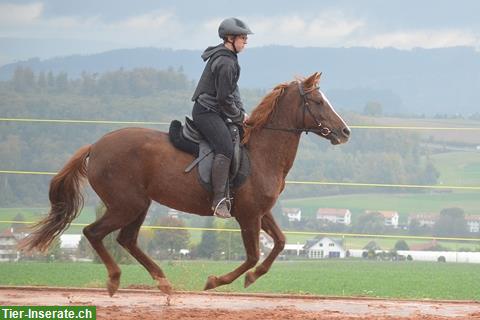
{"points": [[227, 204]]}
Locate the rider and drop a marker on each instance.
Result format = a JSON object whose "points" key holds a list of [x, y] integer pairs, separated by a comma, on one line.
{"points": [[217, 99]]}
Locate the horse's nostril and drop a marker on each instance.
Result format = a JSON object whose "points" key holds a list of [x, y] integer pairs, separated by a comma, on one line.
{"points": [[346, 132]]}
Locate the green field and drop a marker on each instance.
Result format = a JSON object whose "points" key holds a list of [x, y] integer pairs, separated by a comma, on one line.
{"points": [[412, 280], [458, 168], [403, 203]]}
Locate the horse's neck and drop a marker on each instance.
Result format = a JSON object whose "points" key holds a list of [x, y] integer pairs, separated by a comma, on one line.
{"points": [[274, 150]]}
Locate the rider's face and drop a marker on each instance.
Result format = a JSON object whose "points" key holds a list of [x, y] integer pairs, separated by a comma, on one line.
{"points": [[240, 42]]}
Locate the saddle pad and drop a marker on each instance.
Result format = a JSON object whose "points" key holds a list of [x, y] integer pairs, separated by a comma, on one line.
{"points": [[205, 168]]}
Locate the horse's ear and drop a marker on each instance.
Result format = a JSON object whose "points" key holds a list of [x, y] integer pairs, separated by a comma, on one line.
{"points": [[312, 80]]}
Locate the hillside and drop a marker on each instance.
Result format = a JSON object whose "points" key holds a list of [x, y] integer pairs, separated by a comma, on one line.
{"points": [[420, 81]]}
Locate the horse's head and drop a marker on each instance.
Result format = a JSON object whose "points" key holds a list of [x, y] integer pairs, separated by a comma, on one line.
{"points": [[299, 106], [316, 114]]}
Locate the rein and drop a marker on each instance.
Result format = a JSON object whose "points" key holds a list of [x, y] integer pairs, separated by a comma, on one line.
{"points": [[324, 131]]}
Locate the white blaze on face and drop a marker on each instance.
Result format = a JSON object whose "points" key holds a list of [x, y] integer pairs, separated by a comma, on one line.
{"points": [[324, 97]]}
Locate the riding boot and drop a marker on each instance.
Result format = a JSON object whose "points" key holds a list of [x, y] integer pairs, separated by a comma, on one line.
{"points": [[220, 172]]}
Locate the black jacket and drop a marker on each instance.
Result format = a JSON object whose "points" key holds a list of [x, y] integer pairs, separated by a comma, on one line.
{"points": [[217, 88]]}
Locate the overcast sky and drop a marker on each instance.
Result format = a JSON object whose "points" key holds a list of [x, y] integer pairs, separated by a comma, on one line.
{"points": [[401, 24]]}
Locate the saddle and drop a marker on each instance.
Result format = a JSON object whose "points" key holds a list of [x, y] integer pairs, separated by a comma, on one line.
{"points": [[188, 139]]}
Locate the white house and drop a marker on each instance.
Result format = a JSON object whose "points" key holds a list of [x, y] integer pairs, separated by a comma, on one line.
{"points": [[293, 214], [424, 219], [8, 246], [295, 249], [340, 216], [473, 223], [324, 248], [390, 217], [70, 241]]}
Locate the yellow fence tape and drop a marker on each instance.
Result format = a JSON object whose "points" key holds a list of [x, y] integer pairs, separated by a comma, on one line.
{"points": [[167, 123], [334, 234], [345, 184]]}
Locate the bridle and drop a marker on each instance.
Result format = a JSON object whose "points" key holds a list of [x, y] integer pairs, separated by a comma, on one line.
{"points": [[320, 128]]}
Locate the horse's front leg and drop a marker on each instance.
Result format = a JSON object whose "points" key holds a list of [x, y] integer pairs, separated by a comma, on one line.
{"points": [[250, 235], [271, 228]]}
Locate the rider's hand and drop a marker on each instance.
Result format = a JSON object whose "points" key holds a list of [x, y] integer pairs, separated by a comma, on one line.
{"points": [[245, 117]]}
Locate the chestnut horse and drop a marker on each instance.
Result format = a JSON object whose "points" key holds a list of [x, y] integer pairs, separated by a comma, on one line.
{"points": [[129, 168]]}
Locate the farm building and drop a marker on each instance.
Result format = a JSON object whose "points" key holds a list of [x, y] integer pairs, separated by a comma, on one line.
{"points": [[293, 214], [340, 216], [324, 248], [390, 217], [423, 219], [473, 223], [8, 246]]}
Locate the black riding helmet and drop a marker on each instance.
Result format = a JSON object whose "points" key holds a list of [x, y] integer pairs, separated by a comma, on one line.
{"points": [[234, 27]]}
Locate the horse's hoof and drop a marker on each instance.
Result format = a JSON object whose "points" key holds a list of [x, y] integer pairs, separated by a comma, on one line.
{"points": [[112, 286], [164, 286], [211, 283], [249, 279]]}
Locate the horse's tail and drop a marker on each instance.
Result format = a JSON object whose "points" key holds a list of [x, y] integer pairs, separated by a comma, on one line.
{"points": [[66, 202]]}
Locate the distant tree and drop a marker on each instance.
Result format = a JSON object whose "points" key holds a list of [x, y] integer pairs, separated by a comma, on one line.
{"points": [[230, 242], [451, 223], [209, 246], [11, 155], [401, 245], [61, 82], [167, 243], [84, 249], [54, 251], [42, 81], [372, 222], [372, 245], [416, 229], [23, 79], [50, 80], [18, 227], [88, 84], [430, 173]]}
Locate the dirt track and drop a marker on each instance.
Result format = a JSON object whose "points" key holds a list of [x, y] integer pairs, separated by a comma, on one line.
{"points": [[149, 304]]}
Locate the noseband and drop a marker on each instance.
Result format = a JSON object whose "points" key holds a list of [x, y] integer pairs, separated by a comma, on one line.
{"points": [[320, 128]]}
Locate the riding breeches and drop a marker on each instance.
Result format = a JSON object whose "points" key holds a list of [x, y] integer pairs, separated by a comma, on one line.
{"points": [[214, 129]]}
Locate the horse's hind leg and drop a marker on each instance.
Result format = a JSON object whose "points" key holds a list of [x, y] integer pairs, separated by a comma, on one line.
{"points": [[95, 233], [128, 239], [271, 228]]}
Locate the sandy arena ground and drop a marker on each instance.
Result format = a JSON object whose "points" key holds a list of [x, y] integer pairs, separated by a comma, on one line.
{"points": [[149, 304]]}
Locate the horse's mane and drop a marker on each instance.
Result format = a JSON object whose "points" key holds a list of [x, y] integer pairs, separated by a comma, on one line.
{"points": [[262, 112]]}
